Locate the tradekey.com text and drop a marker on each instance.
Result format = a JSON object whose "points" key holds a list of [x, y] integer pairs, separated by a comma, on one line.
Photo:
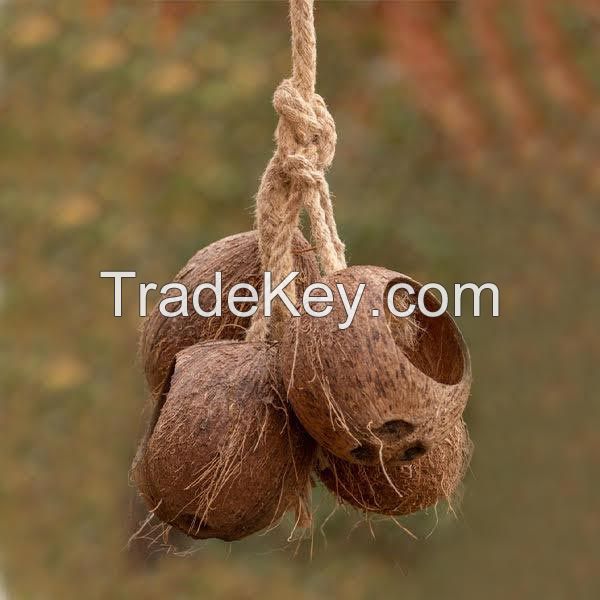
{"points": [[317, 300]]}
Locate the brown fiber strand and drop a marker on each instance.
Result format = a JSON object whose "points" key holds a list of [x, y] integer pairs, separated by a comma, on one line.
{"points": [[295, 177]]}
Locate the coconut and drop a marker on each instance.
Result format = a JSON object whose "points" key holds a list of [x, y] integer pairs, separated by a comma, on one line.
{"points": [[385, 389], [224, 457], [401, 489], [238, 259]]}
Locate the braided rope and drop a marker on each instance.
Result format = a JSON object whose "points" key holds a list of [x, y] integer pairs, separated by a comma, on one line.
{"points": [[295, 176]]}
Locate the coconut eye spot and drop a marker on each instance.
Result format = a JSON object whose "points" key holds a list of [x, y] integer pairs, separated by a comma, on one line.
{"points": [[395, 428], [364, 452], [413, 452]]}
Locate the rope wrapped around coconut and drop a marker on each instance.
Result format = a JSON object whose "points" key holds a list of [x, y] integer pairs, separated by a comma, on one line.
{"points": [[371, 393], [386, 391], [224, 455], [213, 463]]}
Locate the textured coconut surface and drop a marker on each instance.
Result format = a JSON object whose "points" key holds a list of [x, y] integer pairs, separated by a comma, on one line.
{"points": [[236, 257], [225, 456], [402, 489], [381, 389]]}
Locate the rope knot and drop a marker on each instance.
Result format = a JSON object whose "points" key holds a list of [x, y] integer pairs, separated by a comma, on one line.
{"points": [[294, 179], [306, 128]]}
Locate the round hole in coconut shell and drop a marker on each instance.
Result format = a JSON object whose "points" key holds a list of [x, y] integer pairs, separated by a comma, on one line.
{"points": [[401, 489], [224, 457], [384, 389], [238, 259]]}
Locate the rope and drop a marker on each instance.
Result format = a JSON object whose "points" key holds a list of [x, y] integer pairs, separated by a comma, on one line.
{"points": [[295, 176]]}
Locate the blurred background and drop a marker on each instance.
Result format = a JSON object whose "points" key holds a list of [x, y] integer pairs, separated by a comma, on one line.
{"points": [[134, 133]]}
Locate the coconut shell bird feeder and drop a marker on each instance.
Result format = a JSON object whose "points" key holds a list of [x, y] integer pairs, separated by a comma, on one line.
{"points": [[246, 409]]}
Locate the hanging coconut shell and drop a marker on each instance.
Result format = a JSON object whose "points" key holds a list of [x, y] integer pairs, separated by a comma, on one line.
{"points": [[383, 389], [401, 489], [238, 259], [224, 457]]}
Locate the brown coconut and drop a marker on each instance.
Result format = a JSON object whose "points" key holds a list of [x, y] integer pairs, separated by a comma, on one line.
{"points": [[238, 260], [385, 389], [224, 456], [401, 489]]}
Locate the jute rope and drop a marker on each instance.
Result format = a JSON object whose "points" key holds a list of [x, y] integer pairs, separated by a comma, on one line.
{"points": [[295, 176]]}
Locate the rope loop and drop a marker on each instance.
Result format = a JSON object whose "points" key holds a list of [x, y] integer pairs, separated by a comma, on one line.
{"points": [[295, 177]]}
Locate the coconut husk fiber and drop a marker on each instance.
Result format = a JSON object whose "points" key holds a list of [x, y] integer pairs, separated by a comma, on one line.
{"points": [[384, 390], [238, 259], [224, 456], [401, 489]]}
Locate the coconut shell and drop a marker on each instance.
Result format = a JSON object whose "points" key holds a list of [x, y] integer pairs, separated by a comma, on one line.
{"points": [[237, 258], [224, 456], [385, 388], [407, 488]]}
